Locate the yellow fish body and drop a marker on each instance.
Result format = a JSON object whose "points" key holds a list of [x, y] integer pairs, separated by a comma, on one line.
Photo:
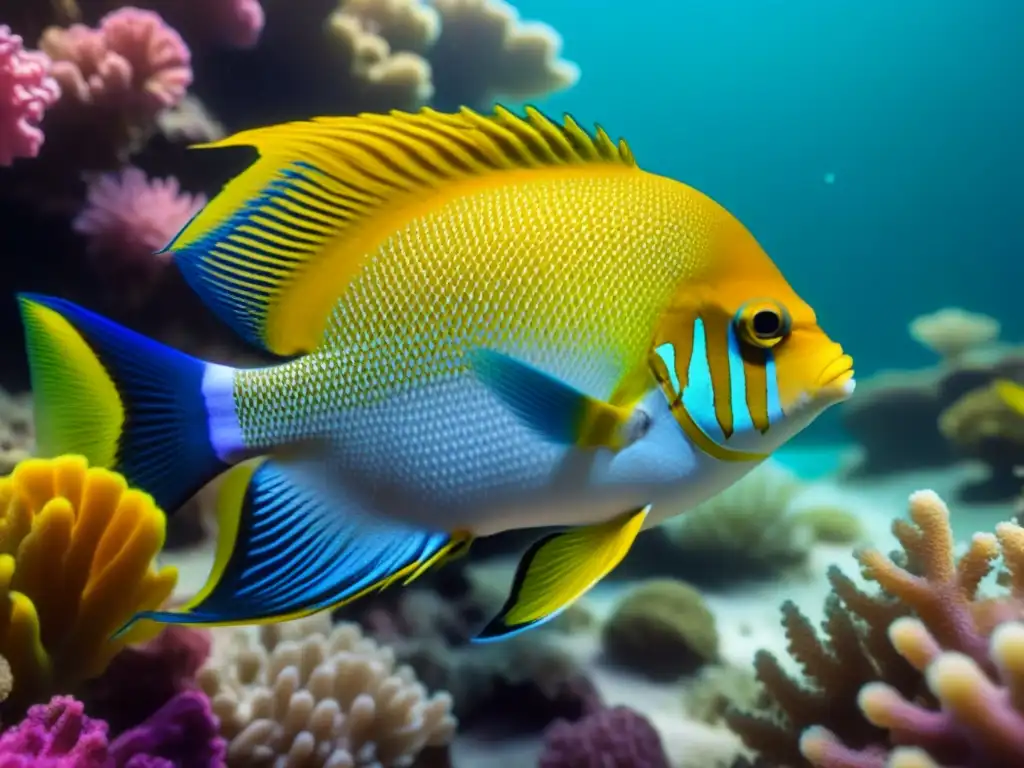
{"points": [[495, 322]]}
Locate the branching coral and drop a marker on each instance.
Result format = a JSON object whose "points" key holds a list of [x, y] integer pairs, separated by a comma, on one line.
{"points": [[307, 696], [846, 718], [26, 91], [76, 562]]}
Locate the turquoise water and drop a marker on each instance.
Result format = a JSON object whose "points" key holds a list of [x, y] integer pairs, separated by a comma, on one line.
{"points": [[913, 105]]}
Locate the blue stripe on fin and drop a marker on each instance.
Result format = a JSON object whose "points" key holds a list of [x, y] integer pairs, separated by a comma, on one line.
{"points": [[240, 267], [291, 551]]}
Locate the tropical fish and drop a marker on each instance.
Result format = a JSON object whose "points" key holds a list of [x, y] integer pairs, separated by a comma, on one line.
{"points": [[1011, 393], [486, 322]]}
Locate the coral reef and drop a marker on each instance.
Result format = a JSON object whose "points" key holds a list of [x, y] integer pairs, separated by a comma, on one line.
{"points": [[77, 551], [612, 738], [953, 332], [60, 735], [661, 629], [924, 673], [982, 425], [747, 531], [26, 91], [897, 416], [306, 694]]}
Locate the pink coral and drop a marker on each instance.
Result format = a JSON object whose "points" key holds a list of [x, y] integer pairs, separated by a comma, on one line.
{"points": [[610, 738], [239, 22], [132, 60], [55, 735], [182, 734], [26, 91], [129, 217]]}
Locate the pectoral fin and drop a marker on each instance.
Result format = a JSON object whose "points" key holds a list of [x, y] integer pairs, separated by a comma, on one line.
{"points": [[559, 569], [558, 411], [285, 550]]}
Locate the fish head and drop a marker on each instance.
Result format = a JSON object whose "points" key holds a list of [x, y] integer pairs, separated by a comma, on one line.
{"points": [[746, 366]]}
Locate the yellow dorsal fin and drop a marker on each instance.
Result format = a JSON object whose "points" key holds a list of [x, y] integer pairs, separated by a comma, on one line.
{"points": [[274, 249]]}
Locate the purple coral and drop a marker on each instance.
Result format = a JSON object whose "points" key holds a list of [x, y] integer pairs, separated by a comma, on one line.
{"points": [[55, 735], [182, 734], [611, 738], [26, 91], [142, 679], [130, 217]]}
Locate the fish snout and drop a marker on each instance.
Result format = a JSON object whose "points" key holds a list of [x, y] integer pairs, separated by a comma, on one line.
{"points": [[836, 381]]}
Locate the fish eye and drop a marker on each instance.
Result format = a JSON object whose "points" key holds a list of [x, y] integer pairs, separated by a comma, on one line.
{"points": [[763, 323]]}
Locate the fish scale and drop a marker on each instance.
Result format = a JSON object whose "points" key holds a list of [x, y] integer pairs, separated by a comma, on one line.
{"points": [[493, 322]]}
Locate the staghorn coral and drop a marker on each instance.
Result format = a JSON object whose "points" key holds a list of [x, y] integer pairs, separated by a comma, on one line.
{"points": [[953, 332], [982, 425], [840, 710], [611, 738], [306, 695], [979, 720], [747, 531], [76, 562], [484, 52], [26, 91], [662, 629]]}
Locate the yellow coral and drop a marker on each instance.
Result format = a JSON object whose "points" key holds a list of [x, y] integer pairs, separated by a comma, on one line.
{"points": [[76, 562]]}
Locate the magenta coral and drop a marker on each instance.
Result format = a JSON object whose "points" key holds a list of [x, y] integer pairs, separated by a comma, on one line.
{"points": [[133, 60], [26, 91], [55, 735], [182, 734], [611, 738], [129, 217], [142, 679], [240, 22]]}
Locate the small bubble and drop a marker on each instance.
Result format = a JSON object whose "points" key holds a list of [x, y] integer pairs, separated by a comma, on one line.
{"points": [[830, 178]]}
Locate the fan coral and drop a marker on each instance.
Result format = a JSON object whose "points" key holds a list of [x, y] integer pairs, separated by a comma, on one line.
{"points": [[76, 562], [926, 637], [132, 60], [129, 218], [26, 91], [612, 738], [953, 332], [60, 735], [745, 531], [308, 696], [662, 628]]}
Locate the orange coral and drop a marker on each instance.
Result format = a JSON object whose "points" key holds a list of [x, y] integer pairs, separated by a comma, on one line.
{"points": [[932, 586], [76, 562]]}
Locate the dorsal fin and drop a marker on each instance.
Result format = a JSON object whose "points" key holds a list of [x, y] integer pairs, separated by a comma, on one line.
{"points": [[272, 251]]}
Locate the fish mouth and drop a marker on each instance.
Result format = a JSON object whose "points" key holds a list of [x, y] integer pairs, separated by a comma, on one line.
{"points": [[836, 383]]}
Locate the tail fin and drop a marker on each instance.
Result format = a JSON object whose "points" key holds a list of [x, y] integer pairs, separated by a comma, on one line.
{"points": [[123, 401]]}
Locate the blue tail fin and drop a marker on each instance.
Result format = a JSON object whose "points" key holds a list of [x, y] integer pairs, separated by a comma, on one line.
{"points": [[123, 401]]}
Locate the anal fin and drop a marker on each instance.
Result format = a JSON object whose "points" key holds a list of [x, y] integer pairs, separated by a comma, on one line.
{"points": [[286, 549], [559, 569]]}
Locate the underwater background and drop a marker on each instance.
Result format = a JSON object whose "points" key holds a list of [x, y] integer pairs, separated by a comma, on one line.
{"points": [[873, 148]]}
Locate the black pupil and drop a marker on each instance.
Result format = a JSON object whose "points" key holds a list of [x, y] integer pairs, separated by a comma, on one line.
{"points": [[766, 323]]}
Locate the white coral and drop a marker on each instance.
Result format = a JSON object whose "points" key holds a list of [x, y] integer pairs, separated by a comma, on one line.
{"points": [[306, 695]]}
